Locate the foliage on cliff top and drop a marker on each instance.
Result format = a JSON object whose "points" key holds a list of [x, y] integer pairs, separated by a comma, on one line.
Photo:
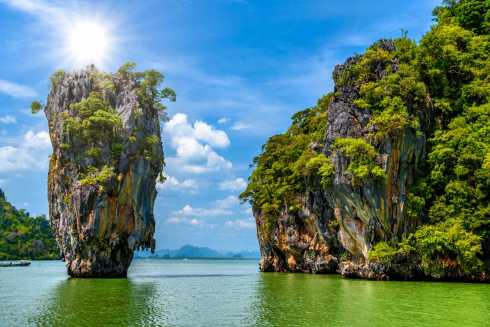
{"points": [[92, 128], [389, 86], [23, 236], [92, 136], [149, 81]]}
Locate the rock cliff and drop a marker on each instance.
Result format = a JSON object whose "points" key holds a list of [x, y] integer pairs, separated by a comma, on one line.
{"points": [[374, 210], [107, 155], [348, 216], [388, 176]]}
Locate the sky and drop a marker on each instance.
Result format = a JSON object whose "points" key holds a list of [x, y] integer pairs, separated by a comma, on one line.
{"points": [[240, 69]]}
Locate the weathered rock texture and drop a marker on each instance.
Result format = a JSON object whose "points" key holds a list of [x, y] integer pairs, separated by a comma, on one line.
{"points": [[374, 211], [99, 226], [341, 223], [300, 242]]}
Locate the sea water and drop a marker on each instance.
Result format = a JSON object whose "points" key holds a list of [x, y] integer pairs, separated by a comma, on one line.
{"points": [[229, 293]]}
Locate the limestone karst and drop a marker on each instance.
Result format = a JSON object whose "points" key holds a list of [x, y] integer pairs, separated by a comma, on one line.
{"points": [[388, 176], [107, 156]]}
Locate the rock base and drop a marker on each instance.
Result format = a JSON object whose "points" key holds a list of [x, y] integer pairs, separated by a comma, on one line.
{"points": [[107, 263], [316, 265]]}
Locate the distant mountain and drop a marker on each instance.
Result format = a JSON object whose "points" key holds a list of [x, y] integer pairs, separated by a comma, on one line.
{"points": [[189, 251], [197, 252]]}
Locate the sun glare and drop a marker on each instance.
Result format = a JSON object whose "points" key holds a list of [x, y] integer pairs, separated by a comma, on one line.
{"points": [[88, 43]]}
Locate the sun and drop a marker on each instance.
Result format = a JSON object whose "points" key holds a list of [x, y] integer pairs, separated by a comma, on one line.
{"points": [[87, 42]]}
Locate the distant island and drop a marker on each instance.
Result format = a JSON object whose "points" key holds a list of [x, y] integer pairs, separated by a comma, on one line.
{"points": [[196, 252]]}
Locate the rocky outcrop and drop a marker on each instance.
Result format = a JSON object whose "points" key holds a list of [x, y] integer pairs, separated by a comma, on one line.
{"points": [[107, 155], [339, 224], [299, 242], [376, 210]]}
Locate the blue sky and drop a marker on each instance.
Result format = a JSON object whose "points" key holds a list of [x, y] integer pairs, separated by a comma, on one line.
{"points": [[240, 69]]}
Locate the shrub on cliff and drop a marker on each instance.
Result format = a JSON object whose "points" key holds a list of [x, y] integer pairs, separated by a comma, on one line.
{"points": [[362, 157], [287, 163]]}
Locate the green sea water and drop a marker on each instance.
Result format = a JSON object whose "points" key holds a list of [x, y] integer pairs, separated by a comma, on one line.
{"points": [[230, 293]]}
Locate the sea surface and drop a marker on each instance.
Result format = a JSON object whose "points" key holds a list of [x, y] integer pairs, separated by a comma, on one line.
{"points": [[229, 293]]}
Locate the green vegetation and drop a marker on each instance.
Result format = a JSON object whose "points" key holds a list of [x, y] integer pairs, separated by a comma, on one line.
{"points": [[23, 236], [36, 106], [362, 157], [287, 165], [453, 61], [439, 87], [56, 78], [321, 166], [92, 128], [148, 91], [435, 249], [399, 96], [95, 176]]}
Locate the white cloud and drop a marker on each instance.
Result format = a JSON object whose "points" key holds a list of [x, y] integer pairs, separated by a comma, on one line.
{"points": [[188, 221], [8, 120], [173, 183], [237, 184], [207, 133], [34, 7], [240, 224], [179, 126], [194, 222], [190, 211], [222, 120], [194, 146], [174, 220], [31, 154], [39, 140], [238, 126], [221, 208], [228, 202], [16, 90]]}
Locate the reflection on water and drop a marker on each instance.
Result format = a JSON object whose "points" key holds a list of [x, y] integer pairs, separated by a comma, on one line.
{"points": [[85, 302], [157, 293], [230, 293], [304, 300]]}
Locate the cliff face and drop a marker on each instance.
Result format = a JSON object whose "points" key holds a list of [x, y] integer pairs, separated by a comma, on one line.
{"points": [[107, 155], [388, 176], [374, 210], [303, 241], [340, 223]]}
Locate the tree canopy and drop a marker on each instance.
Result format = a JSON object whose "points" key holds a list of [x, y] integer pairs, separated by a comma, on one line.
{"points": [[23, 236]]}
